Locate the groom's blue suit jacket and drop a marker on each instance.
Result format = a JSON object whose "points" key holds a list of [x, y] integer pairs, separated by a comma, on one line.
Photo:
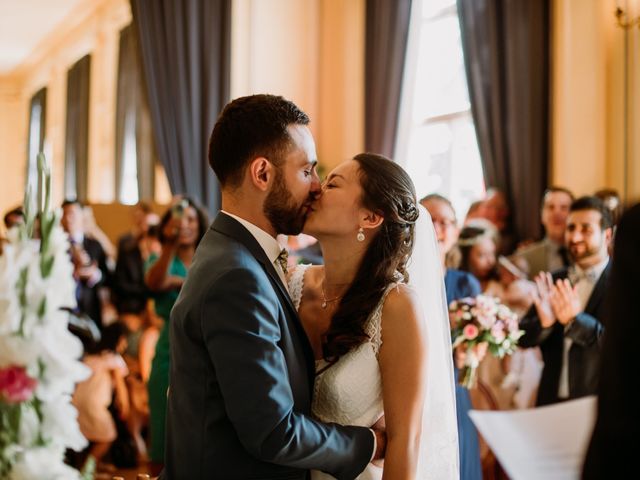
{"points": [[242, 373]]}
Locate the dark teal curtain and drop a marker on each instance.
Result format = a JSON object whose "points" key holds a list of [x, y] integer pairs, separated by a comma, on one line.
{"points": [[506, 50], [185, 47]]}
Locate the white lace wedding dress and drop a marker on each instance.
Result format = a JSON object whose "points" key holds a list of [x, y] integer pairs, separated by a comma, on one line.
{"points": [[350, 391]]}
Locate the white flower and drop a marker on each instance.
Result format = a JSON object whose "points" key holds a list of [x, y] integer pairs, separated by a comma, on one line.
{"points": [[60, 423], [16, 350], [29, 426], [43, 463]]}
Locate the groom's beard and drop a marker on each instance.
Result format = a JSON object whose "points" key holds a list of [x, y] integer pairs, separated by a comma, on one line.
{"points": [[281, 209]]}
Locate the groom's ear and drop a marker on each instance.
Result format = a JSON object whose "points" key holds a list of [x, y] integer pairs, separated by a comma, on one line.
{"points": [[260, 172]]}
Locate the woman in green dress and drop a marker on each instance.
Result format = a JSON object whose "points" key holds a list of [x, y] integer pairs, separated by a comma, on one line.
{"points": [[181, 228]]}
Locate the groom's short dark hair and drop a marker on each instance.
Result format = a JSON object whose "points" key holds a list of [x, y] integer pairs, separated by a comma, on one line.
{"points": [[249, 127]]}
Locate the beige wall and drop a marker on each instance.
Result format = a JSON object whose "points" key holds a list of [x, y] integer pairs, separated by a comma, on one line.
{"points": [[92, 28], [588, 99], [311, 52]]}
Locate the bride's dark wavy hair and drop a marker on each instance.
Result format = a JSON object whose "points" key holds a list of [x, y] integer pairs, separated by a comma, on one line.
{"points": [[388, 191]]}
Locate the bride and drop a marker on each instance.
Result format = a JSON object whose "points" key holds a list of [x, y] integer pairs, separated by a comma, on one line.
{"points": [[377, 319]]}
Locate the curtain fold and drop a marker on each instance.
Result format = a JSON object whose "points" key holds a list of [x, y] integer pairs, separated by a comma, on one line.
{"points": [[386, 33], [36, 133], [132, 119], [185, 51], [76, 157], [507, 60]]}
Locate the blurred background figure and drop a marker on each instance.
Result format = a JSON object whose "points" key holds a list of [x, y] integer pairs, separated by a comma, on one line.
{"points": [[495, 208], [474, 211], [302, 248], [89, 259], [13, 217], [181, 228], [550, 253], [513, 380], [94, 396], [617, 426], [134, 249], [612, 201]]}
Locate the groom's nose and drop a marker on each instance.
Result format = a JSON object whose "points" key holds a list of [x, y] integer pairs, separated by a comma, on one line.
{"points": [[316, 187]]}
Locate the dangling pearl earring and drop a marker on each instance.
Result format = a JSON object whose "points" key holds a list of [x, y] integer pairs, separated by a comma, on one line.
{"points": [[360, 235]]}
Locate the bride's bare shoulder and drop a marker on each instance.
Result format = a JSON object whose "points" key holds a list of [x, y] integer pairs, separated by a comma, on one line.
{"points": [[402, 303]]}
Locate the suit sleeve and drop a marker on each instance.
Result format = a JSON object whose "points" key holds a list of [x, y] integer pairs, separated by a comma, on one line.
{"points": [[251, 369], [534, 334], [585, 330]]}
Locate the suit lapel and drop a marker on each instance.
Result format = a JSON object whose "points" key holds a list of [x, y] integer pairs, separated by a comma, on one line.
{"points": [[232, 228], [599, 291]]}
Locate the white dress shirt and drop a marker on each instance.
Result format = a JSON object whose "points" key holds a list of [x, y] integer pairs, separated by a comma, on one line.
{"points": [[269, 244], [586, 282]]}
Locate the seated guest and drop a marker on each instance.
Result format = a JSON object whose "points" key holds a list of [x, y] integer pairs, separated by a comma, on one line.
{"points": [[93, 396], [567, 319], [617, 429], [458, 285], [13, 217], [89, 260], [549, 254]]}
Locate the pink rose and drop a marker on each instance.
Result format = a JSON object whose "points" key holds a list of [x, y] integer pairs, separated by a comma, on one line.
{"points": [[497, 331], [15, 385], [470, 331]]}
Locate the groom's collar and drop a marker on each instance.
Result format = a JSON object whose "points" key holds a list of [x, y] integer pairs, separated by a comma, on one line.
{"points": [[269, 244]]}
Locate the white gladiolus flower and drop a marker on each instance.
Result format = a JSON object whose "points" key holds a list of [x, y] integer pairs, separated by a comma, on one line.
{"points": [[29, 426], [34, 335], [60, 423], [43, 463]]}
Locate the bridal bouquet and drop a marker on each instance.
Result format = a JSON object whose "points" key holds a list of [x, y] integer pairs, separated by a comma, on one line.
{"points": [[39, 364], [479, 320]]}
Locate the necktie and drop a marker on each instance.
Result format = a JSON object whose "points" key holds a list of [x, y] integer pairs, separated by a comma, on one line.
{"points": [[283, 260], [576, 275]]}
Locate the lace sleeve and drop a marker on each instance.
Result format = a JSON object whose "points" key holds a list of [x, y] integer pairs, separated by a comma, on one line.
{"points": [[296, 284]]}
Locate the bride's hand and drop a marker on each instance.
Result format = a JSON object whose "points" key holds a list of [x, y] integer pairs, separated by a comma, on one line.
{"points": [[379, 426]]}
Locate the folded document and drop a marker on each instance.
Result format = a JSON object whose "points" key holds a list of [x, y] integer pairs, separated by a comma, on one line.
{"points": [[540, 443]]}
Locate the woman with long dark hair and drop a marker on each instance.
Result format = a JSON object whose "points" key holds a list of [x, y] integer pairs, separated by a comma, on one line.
{"points": [[378, 327], [181, 228]]}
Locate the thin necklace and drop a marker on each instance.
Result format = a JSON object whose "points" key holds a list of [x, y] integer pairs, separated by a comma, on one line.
{"points": [[324, 300]]}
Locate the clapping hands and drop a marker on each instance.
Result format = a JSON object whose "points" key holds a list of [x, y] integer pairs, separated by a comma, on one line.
{"points": [[555, 301]]}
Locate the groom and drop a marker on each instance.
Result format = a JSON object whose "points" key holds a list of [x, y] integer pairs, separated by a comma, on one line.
{"points": [[242, 369]]}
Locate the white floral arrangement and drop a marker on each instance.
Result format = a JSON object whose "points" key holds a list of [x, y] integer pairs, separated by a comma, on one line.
{"points": [[39, 357]]}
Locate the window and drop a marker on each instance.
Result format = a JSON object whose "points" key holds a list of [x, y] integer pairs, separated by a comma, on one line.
{"points": [[437, 142], [135, 156], [35, 141], [76, 156]]}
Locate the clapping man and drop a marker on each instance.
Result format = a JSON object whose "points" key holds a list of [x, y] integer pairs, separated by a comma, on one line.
{"points": [[567, 319]]}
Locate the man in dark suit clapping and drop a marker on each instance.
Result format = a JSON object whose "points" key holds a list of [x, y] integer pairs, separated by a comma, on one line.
{"points": [[567, 319]]}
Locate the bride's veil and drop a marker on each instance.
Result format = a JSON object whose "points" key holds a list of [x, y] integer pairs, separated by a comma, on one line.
{"points": [[439, 443]]}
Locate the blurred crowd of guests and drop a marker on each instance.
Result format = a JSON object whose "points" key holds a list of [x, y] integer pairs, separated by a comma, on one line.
{"points": [[556, 284]]}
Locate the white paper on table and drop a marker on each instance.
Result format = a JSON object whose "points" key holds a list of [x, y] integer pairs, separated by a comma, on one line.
{"points": [[540, 443]]}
